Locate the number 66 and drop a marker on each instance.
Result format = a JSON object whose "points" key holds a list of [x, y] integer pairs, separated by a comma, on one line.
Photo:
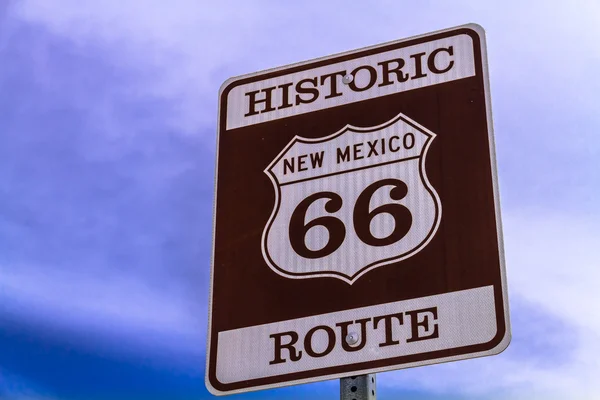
{"points": [[362, 219]]}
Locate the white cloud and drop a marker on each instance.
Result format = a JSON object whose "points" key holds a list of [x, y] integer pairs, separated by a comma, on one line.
{"points": [[178, 49], [114, 305]]}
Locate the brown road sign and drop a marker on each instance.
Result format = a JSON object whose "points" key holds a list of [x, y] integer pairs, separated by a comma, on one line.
{"points": [[357, 221]]}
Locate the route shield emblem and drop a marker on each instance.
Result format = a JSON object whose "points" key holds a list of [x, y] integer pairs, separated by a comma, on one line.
{"points": [[352, 201]]}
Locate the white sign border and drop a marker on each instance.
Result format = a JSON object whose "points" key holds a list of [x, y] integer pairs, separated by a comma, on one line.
{"points": [[492, 146]]}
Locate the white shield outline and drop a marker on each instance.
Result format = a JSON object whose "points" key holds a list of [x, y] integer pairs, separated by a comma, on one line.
{"points": [[422, 174]]}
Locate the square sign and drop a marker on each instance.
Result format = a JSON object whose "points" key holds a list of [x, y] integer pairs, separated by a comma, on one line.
{"points": [[357, 221]]}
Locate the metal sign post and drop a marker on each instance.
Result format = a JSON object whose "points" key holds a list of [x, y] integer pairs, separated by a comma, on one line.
{"points": [[357, 220], [361, 387]]}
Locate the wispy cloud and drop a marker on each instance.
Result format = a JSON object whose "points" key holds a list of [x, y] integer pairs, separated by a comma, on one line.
{"points": [[104, 207], [76, 301], [107, 153]]}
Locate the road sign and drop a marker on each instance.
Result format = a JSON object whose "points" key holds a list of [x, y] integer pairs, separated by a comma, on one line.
{"points": [[357, 222]]}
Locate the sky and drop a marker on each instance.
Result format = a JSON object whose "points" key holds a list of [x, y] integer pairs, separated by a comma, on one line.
{"points": [[107, 150]]}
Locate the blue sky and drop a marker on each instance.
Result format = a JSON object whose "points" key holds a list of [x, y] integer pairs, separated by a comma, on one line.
{"points": [[107, 132]]}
